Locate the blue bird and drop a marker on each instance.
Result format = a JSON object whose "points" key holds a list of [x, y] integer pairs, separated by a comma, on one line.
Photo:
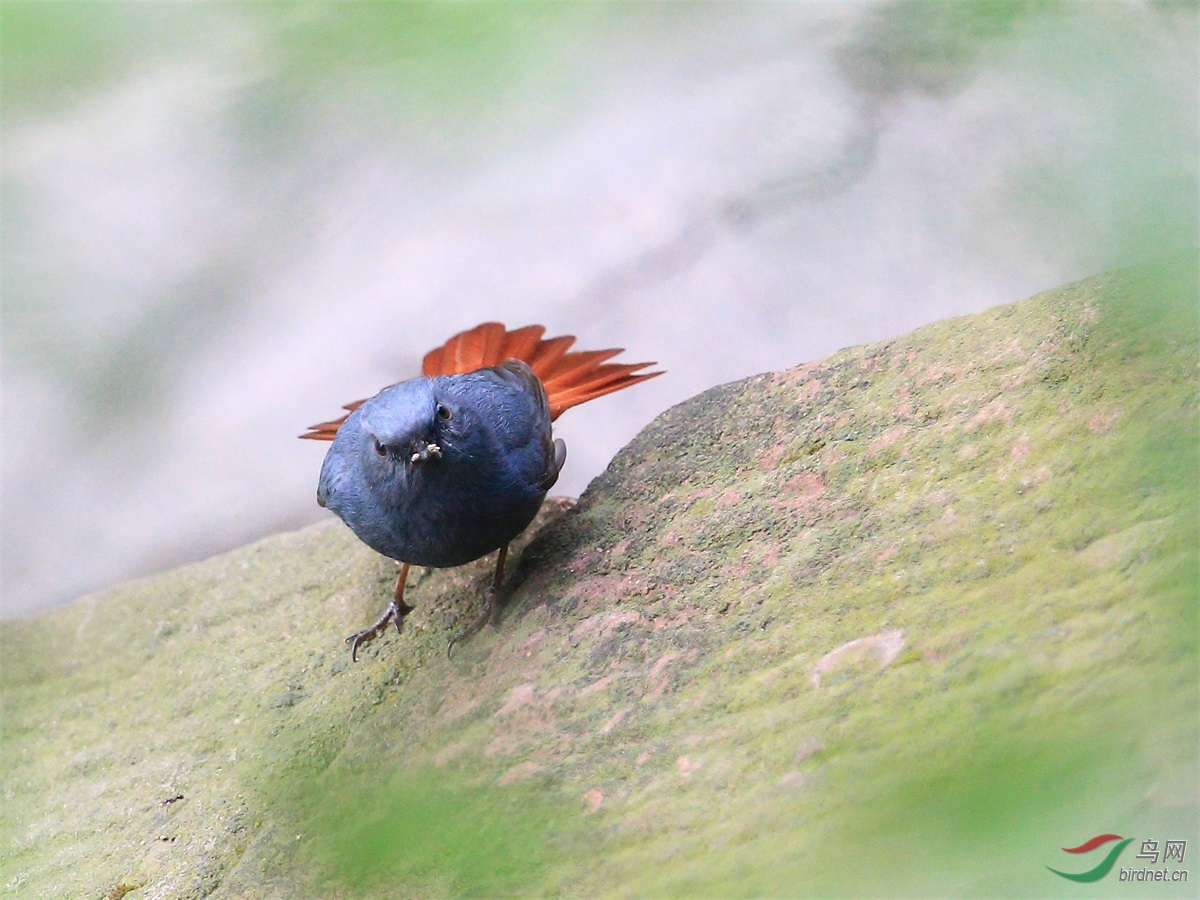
{"points": [[453, 465]]}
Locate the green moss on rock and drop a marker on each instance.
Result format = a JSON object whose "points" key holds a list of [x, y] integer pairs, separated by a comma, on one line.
{"points": [[903, 621]]}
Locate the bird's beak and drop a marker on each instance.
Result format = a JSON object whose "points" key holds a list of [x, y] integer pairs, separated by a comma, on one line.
{"points": [[425, 452], [321, 496]]}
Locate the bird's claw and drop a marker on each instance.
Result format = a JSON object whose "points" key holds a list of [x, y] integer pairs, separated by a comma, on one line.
{"points": [[490, 606], [395, 613]]}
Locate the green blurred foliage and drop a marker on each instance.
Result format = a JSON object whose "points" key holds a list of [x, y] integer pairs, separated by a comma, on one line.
{"points": [[434, 833], [928, 45]]}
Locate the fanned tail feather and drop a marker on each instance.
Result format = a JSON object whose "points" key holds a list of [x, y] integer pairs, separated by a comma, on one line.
{"points": [[326, 431], [570, 378]]}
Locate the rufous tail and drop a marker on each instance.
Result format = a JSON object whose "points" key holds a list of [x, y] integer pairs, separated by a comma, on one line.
{"points": [[570, 377]]}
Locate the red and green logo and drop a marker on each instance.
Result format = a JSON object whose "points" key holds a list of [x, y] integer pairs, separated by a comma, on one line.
{"points": [[1105, 864]]}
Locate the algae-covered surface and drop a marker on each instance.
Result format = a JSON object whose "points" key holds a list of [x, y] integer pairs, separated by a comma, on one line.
{"points": [[906, 622]]}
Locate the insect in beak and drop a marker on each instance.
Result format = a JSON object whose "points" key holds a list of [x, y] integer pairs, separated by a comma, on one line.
{"points": [[429, 451]]}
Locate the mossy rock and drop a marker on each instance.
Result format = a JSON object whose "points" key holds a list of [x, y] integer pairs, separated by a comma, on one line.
{"points": [[905, 621]]}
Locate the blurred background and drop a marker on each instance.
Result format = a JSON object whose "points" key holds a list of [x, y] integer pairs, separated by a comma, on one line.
{"points": [[222, 221]]}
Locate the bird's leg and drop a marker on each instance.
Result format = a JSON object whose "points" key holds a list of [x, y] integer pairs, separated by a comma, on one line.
{"points": [[490, 606], [395, 612]]}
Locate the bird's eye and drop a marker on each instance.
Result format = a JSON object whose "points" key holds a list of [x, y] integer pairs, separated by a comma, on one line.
{"points": [[443, 412], [381, 448]]}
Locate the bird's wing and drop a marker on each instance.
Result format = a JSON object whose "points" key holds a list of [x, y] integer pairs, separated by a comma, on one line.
{"points": [[570, 377]]}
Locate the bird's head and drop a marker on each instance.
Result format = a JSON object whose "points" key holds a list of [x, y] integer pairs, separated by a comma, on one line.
{"points": [[389, 442], [406, 427]]}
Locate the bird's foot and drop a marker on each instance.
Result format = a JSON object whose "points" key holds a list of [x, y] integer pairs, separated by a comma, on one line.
{"points": [[395, 612], [490, 607]]}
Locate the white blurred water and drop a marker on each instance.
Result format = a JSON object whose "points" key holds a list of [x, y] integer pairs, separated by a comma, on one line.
{"points": [[215, 232]]}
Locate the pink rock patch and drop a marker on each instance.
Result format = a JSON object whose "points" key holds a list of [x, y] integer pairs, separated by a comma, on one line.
{"points": [[883, 647], [593, 800]]}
